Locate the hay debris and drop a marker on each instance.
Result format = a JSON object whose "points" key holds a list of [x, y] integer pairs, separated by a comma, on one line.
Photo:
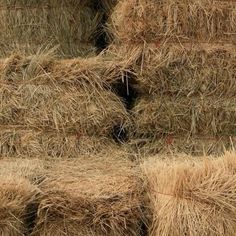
{"points": [[91, 196], [30, 26], [148, 21], [192, 197]]}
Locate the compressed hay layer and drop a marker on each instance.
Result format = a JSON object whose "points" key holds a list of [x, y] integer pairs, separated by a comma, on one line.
{"points": [[164, 115], [174, 144], [183, 70], [16, 194], [150, 21], [17, 142], [88, 196], [31, 25], [59, 95], [192, 197]]}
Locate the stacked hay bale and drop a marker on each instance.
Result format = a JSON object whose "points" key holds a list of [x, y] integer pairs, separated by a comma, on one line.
{"points": [[19, 195], [91, 196], [30, 26], [51, 108], [182, 55], [191, 196]]}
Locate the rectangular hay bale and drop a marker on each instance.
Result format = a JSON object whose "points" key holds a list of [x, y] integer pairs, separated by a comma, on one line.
{"points": [[90, 196]]}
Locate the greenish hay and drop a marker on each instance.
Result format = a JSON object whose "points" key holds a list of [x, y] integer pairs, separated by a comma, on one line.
{"points": [[31, 25], [91, 196], [138, 21], [191, 196]]}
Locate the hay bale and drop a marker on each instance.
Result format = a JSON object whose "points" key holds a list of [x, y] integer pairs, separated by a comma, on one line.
{"points": [[31, 25], [69, 96], [30, 169], [192, 197], [88, 196], [174, 144], [23, 142], [186, 69], [158, 116], [16, 194], [148, 21]]}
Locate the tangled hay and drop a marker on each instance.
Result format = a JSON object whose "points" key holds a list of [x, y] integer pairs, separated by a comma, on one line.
{"points": [[186, 69], [31, 25], [192, 197], [158, 116], [90, 196], [148, 21], [23, 142], [67, 96], [16, 194], [174, 144]]}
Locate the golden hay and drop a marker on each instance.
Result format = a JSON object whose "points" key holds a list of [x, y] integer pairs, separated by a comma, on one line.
{"points": [[18, 142], [31, 25], [174, 144], [157, 116], [192, 197], [59, 95], [149, 21], [178, 69], [91, 196], [16, 195]]}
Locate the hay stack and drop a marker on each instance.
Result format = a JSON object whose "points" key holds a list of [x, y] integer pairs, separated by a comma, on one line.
{"points": [[66, 96], [185, 116], [150, 21], [20, 141], [196, 145], [88, 196], [31, 25], [192, 197], [16, 195]]}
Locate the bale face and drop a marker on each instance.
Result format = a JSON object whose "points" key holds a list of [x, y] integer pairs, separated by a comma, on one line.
{"points": [[16, 194], [66, 96], [159, 116], [192, 197], [31, 25], [94, 197], [17, 142], [187, 70], [174, 144], [151, 21]]}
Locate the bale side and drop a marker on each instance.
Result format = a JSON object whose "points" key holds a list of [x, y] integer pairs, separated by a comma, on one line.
{"points": [[149, 21], [192, 197], [100, 196], [30, 26]]}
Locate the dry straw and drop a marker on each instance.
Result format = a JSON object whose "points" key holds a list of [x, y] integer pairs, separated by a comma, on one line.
{"points": [[17, 196], [192, 197], [31, 25], [185, 116], [20, 141], [186, 69], [69, 96], [174, 144], [150, 21], [88, 196]]}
